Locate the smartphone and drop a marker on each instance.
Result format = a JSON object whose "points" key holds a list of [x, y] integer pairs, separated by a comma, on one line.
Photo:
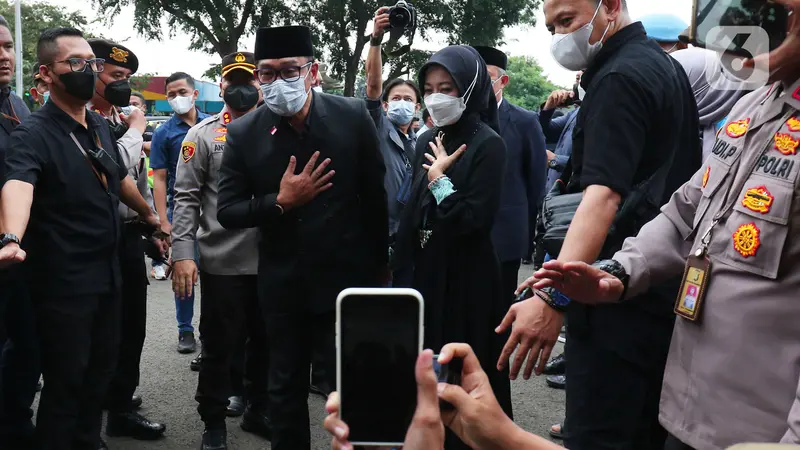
{"points": [[765, 14], [379, 334], [449, 373]]}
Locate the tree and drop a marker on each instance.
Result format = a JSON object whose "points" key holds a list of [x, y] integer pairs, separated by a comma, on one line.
{"points": [[140, 81], [37, 16], [342, 26], [215, 26], [528, 87]]}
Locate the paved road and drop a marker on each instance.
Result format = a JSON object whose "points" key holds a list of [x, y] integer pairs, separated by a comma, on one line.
{"points": [[168, 387]]}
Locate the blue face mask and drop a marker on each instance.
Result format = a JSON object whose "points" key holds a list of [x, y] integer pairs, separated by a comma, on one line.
{"points": [[401, 112], [46, 96]]}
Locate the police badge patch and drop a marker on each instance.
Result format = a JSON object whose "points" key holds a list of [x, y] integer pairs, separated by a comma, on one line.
{"points": [[188, 149], [747, 240], [758, 199], [738, 128]]}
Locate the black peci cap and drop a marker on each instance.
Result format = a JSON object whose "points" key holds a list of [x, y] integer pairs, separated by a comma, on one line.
{"points": [[492, 56], [238, 60], [283, 42], [115, 54]]}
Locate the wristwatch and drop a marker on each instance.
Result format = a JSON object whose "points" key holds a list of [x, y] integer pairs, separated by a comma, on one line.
{"points": [[613, 267], [553, 164], [8, 238], [554, 298], [376, 41]]}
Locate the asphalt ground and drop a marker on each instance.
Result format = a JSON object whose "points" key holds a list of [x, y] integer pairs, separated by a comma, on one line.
{"points": [[168, 388]]}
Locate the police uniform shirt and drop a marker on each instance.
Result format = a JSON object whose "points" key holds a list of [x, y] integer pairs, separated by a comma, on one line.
{"points": [[222, 252], [733, 376], [73, 230]]}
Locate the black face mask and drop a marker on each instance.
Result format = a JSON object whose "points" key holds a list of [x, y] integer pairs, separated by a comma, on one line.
{"points": [[79, 84], [118, 93], [241, 97]]}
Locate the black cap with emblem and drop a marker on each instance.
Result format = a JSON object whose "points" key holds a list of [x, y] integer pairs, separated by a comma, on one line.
{"points": [[238, 60], [492, 56], [115, 54], [283, 42]]}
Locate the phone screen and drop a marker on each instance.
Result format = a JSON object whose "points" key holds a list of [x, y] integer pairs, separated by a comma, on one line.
{"points": [[379, 344], [764, 14]]}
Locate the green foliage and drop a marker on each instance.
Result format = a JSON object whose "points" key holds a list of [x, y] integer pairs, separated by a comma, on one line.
{"points": [[140, 81], [340, 26], [37, 16], [215, 26], [528, 87]]}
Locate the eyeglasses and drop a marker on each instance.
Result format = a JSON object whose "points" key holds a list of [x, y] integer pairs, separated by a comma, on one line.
{"points": [[96, 65], [289, 74]]}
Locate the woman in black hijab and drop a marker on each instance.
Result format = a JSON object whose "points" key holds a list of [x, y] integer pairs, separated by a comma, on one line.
{"points": [[443, 246]]}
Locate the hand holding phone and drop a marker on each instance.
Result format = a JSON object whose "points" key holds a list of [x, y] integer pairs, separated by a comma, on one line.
{"points": [[379, 333]]}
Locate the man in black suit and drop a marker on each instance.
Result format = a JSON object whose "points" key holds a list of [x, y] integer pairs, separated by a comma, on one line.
{"points": [[323, 225], [526, 171]]}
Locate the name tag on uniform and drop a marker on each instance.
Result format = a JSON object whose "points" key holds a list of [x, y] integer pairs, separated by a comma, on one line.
{"points": [[689, 303]]}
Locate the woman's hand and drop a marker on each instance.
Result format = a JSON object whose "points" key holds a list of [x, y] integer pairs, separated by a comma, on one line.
{"points": [[440, 161]]}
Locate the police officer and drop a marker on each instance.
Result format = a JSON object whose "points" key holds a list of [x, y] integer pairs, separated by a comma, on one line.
{"points": [[523, 185], [112, 91], [731, 231], [228, 264], [123, 420], [66, 154], [321, 230]]}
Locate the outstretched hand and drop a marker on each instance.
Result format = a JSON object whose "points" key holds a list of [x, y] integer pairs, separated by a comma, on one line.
{"points": [[579, 281]]}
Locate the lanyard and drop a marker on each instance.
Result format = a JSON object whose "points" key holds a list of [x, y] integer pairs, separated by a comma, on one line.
{"points": [[101, 177], [732, 195]]}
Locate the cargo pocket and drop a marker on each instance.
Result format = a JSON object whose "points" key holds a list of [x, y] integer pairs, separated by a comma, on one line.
{"points": [[756, 231]]}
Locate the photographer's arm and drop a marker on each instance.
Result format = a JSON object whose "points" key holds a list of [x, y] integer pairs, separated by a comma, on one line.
{"points": [[374, 60]]}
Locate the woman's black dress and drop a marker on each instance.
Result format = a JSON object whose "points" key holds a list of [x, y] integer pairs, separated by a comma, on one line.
{"points": [[457, 270]]}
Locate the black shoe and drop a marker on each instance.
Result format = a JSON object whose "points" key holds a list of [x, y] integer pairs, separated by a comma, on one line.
{"points": [[136, 402], [216, 439], [323, 390], [256, 422], [556, 366], [186, 342], [134, 425], [103, 445], [236, 406], [557, 381], [194, 364]]}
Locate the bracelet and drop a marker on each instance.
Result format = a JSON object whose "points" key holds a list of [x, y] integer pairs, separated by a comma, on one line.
{"points": [[430, 185], [550, 301], [375, 41]]}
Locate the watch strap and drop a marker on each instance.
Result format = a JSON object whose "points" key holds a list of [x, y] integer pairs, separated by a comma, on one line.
{"points": [[554, 299], [616, 269], [376, 41]]}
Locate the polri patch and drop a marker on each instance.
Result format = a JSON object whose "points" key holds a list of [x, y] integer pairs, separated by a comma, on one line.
{"points": [[786, 144], [758, 199], [188, 149], [738, 128], [747, 239], [794, 124], [706, 175]]}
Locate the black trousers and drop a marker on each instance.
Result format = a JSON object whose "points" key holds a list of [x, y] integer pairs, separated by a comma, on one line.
{"points": [[509, 272], [292, 336], [19, 364], [230, 307], [79, 341], [612, 403], [133, 323]]}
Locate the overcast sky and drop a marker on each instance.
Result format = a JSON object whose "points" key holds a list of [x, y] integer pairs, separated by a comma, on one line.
{"points": [[163, 58]]}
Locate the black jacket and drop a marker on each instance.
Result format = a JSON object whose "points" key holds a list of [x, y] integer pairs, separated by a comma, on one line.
{"points": [[339, 239]]}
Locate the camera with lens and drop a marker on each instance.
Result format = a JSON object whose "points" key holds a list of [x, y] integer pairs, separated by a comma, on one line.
{"points": [[402, 16]]}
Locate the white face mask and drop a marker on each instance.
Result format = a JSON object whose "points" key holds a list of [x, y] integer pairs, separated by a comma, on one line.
{"points": [[446, 109], [573, 51], [286, 98], [181, 104]]}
